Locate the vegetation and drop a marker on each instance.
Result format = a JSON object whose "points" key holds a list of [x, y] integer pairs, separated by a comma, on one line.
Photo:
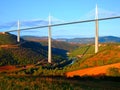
{"points": [[85, 56], [7, 39], [108, 55], [6, 58], [55, 44], [20, 56], [54, 83], [82, 50], [112, 71], [25, 52], [32, 72]]}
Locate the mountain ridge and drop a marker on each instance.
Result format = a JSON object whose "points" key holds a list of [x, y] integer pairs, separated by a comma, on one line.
{"points": [[89, 40], [103, 39]]}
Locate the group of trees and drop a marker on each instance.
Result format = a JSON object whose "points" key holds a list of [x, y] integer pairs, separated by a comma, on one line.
{"points": [[6, 58]]}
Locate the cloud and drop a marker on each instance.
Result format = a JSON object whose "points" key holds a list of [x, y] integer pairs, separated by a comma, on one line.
{"points": [[33, 23], [8, 25], [102, 13], [30, 23]]}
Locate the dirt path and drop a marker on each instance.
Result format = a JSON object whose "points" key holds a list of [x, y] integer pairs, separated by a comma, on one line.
{"points": [[8, 46], [92, 71], [11, 68]]}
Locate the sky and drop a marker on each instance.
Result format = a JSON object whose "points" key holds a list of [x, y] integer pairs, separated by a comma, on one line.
{"points": [[61, 11]]}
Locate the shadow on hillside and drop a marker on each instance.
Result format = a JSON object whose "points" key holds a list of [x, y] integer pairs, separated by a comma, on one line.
{"points": [[38, 48], [87, 78], [95, 78], [87, 48]]}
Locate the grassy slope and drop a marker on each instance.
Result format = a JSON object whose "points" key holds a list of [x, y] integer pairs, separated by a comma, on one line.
{"points": [[95, 64], [82, 51], [7, 39], [20, 55], [25, 52], [94, 71], [108, 54], [12, 52]]}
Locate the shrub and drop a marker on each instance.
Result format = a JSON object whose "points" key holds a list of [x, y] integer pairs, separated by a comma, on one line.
{"points": [[100, 62], [113, 71], [39, 71], [29, 71]]}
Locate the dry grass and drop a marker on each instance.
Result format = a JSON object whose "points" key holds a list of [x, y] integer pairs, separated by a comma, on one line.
{"points": [[94, 71]]}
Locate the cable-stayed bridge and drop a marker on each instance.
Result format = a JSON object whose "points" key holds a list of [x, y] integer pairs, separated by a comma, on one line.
{"points": [[43, 22], [95, 15]]}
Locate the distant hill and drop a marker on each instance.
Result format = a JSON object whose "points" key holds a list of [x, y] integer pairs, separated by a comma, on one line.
{"points": [[34, 38], [55, 43], [109, 39], [105, 39]]}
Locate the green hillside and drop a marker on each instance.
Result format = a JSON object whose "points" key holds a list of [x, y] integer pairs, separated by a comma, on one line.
{"points": [[85, 56], [109, 55], [7, 39], [26, 52], [82, 51]]}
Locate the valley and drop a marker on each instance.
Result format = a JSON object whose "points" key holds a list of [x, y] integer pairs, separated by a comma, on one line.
{"points": [[70, 61]]}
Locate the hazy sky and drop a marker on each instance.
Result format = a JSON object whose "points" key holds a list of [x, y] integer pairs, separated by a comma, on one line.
{"points": [[63, 10]]}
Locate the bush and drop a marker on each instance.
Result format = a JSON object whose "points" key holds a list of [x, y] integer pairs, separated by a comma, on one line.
{"points": [[39, 71], [100, 62], [29, 71], [113, 71]]}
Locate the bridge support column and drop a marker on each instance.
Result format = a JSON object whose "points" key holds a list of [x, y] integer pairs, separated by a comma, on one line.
{"points": [[49, 41], [18, 36], [96, 31]]}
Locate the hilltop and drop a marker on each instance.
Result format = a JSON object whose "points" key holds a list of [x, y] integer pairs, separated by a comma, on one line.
{"points": [[6, 38]]}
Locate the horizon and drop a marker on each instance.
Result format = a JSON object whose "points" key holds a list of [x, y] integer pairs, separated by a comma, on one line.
{"points": [[66, 37]]}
